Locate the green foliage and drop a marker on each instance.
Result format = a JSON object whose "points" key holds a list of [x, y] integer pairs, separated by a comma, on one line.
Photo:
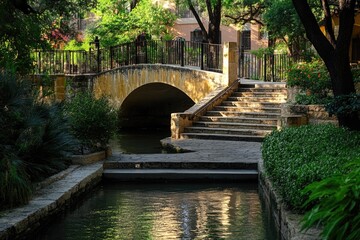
{"points": [[356, 74], [295, 157], [22, 31], [344, 105], [118, 25], [93, 121], [312, 78], [337, 206], [74, 45], [34, 139], [262, 51], [312, 99]]}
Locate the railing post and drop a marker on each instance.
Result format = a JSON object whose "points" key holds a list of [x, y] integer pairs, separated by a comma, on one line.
{"points": [[202, 56], [242, 62], [182, 52], [136, 52], [111, 58], [272, 62], [39, 63], [264, 67], [146, 55], [97, 45], [229, 69]]}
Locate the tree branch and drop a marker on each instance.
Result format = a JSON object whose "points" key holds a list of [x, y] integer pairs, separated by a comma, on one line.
{"points": [[196, 15], [312, 29], [328, 22]]}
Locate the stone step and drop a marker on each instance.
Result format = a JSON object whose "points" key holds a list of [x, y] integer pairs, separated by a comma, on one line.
{"points": [[227, 137], [180, 174], [233, 101], [259, 89], [263, 85], [235, 108], [259, 99], [239, 120], [252, 132], [242, 114], [114, 163], [259, 94], [230, 125]]}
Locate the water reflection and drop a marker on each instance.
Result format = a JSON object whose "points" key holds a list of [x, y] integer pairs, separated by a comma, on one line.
{"points": [[165, 211], [139, 141]]}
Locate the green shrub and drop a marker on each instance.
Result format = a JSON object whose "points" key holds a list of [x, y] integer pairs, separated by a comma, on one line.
{"points": [[295, 157], [337, 206], [312, 78], [93, 121], [311, 99], [34, 140], [356, 74], [344, 105]]}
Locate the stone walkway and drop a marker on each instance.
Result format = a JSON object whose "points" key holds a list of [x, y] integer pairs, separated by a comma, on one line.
{"points": [[200, 151]]}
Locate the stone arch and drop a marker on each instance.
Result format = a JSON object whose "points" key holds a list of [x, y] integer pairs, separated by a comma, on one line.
{"points": [[119, 83], [151, 105]]}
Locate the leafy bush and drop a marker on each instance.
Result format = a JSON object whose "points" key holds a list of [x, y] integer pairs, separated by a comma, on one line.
{"points": [[311, 77], [356, 74], [295, 157], [311, 99], [34, 140], [338, 204], [93, 121], [344, 105]]}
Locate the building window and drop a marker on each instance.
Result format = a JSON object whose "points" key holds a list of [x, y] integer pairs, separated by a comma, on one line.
{"points": [[246, 40], [263, 34], [196, 35]]}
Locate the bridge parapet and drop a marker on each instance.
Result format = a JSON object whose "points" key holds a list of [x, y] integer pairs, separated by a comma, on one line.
{"points": [[207, 57]]}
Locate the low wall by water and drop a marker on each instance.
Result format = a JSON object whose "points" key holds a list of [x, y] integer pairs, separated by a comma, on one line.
{"points": [[53, 197], [287, 223]]}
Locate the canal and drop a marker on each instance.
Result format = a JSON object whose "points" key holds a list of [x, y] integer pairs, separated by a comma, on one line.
{"points": [[165, 211], [162, 211]]}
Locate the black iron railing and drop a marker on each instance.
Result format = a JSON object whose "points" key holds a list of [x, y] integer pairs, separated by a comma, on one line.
{"points": [[269, 67], [205, 56]]}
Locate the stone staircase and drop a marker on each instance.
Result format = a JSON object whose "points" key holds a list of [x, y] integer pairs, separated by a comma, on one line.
{"points": [[248, 114]]}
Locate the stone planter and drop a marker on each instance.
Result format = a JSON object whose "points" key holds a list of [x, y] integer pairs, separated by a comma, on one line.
{"points": [[295, 114], [91, 158]]}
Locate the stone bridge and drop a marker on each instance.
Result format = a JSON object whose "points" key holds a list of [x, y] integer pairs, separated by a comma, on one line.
{"points": [[147, 94]]}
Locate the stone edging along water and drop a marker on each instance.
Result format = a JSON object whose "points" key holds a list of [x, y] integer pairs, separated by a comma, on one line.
{"points": [[52, 197], [287, 223], [60, 190]]}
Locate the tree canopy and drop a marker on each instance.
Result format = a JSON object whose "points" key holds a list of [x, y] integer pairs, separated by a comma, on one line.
{"points": [[333, 50], [119, 22], [27, 25]]}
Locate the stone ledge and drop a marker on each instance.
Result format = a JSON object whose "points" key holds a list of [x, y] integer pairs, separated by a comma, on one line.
{"points": [[90, 158], [287, 223], [22, 221]]}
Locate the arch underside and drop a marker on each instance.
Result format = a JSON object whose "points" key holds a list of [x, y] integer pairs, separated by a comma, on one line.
{"points": [[151, 105]]}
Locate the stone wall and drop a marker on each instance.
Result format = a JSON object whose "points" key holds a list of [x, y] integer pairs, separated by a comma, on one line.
{"points": [[287, 223], [53, 197], [295, 114]]}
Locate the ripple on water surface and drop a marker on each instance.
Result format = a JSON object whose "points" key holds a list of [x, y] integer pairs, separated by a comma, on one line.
{"points": [[164, 211]]}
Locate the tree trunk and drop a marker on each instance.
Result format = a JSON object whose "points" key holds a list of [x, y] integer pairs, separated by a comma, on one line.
{"points": [[336, 57], [214, 12]]}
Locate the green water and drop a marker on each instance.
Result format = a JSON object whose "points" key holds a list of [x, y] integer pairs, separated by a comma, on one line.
{"points": [[141, 141], [165, 212]]}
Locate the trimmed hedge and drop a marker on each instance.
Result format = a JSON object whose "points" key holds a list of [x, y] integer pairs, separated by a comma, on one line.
{"points": [[298, 156]]}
